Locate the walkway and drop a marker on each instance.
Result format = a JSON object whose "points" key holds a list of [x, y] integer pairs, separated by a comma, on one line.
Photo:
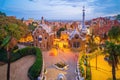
{"points": [[19, 69], [67, 57]]}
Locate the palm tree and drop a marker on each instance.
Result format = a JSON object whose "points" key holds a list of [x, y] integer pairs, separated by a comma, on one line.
{"points": [[113, 48], [8, 43]]}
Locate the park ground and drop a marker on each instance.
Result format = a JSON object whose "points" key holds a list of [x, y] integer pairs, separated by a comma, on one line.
{"points": [[20, 67], [104, 70]]}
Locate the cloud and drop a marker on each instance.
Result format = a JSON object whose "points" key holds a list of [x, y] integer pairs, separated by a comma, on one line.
{"points": [[64, 9]]}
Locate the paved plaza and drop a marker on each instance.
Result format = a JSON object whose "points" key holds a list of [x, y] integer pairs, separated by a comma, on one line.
{"points": [[67, 57], [20, 72]]}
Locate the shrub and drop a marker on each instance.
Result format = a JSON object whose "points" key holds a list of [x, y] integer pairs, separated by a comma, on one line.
{"points": [[3, 55], [21, 53], [35, 69], [82, 71], [88, 73], [81, 68]]}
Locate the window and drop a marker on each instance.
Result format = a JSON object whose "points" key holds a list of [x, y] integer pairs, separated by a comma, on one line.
{"points": [[40, 38], [45, 37], [76, 36], [76, 44]]}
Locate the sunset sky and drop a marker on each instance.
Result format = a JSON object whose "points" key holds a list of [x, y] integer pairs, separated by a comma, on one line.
{"points": [[59, 9]]}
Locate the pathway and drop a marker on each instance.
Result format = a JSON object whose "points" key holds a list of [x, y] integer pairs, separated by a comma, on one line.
{"points": [[67, 57], [19, 69]]}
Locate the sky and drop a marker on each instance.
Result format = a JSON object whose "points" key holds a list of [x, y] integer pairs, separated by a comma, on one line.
{"points": [[60, 9]]}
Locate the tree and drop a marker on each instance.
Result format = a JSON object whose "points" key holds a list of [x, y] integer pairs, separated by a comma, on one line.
{"points": [[12, 26], [11, 30], [22, 19], [59, 31], [91, 44], [8, 43], [114, 34], [113, 48], [2, 14], [31, 27], [118, 17]]}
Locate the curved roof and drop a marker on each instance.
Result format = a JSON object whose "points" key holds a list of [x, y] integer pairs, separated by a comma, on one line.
{"points": [[73, 33], [46, 28]]}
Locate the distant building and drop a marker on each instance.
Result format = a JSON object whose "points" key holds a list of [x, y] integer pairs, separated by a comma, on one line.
{"points": [[100, 26]]}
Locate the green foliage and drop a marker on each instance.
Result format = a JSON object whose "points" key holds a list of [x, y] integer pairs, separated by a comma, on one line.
{"points": [[118, 17], [112, 47], [3, 55], [59, 31], [88, 69], [31, 27], [35, 69], [92, 46], [2, 14], [13, 30], [113, 50], [88, 73], [21, 53], [5, 41], [114, 34], [10, 26], [82, 71]]}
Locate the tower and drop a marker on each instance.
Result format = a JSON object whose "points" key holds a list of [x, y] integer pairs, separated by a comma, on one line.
{"points": [[42, 20], [84, 29]]}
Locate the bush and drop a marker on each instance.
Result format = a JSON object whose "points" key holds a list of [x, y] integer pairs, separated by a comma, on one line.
{"points": [[82, 71], [35, 69], [3, 55], [21, 53], [88, 73], [81, 68]]}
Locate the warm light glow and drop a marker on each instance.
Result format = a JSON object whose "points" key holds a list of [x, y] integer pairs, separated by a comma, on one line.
{"points": [[97, 40], [28, 38], [60, 43], [53, 52]]}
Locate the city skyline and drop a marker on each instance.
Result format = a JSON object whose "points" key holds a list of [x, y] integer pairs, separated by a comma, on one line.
{"points": [[59, 9]]}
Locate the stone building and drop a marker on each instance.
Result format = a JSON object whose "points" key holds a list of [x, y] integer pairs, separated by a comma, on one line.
{"points": [[43, 36], [77, 38]]}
